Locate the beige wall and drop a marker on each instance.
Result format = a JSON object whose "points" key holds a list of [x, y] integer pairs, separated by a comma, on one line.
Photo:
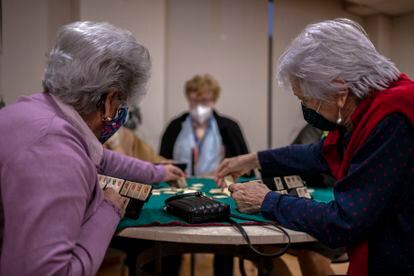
{"points": [[227, 39], [60, 12], [146, 20], [290, 17], [379, 29], [402, 43], [24, 47], [28, 30]]}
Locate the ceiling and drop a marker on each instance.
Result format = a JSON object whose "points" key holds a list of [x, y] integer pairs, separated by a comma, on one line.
{"points": [[387, 7]]}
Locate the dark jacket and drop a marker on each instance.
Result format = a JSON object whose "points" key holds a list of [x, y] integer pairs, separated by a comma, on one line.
{"points": [[231, 135]]}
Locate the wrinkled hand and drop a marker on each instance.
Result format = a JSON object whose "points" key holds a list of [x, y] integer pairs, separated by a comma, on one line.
{"points": [[249, 196], [236, 167], [117, 200], [173, 173]]}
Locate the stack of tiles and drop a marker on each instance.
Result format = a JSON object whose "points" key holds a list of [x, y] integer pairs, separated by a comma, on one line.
{"points": [[289, 185], [134, 194]]}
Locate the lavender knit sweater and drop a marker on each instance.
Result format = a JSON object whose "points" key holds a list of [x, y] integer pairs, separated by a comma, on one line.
{"points": [[54, 219]]}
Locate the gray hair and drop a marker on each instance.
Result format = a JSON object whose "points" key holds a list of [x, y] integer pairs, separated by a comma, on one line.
{"points": [[330, 51], [89, 58]]}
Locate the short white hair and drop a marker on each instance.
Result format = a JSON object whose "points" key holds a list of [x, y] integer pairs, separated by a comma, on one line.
{"points": [[90, 58], [330, 51]]}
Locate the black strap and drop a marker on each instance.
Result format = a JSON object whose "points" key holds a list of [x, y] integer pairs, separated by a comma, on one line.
{"points": [[247, 239], [175, 197]]}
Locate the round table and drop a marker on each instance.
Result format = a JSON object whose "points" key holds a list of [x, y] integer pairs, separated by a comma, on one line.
{"points": [[172, 240], [214, 234]]}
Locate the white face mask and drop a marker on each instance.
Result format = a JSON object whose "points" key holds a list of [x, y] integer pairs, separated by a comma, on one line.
{"points": [[201, 113]]}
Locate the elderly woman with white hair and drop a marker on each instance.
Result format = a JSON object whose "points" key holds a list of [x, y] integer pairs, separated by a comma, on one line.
{"points": [[347, 88], [54, 218]]}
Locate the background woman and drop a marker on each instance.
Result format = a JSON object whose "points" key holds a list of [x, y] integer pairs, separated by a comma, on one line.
{"points": [[202, 137]]}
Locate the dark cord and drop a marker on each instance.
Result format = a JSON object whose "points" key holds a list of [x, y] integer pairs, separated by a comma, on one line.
{"points": [[246, 236]]}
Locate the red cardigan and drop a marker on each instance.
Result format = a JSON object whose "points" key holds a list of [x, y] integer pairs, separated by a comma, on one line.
{"points": [[397, 98]]}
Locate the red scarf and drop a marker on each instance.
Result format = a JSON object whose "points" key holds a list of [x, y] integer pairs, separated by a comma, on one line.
{"points": [[398, 98]]}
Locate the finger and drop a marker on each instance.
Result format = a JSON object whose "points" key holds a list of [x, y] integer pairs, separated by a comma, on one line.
{"points": [[236, 196], [172, 170], [234, 187], [178, 172], [236, 175], [221, 183], [219, 180], [173, 184], [121, 202], [175, 171], [222, 170], [109, 191]]}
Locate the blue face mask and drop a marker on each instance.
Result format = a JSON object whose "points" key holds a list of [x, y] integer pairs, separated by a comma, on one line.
{"points": [[110, 127], [317, 120]]}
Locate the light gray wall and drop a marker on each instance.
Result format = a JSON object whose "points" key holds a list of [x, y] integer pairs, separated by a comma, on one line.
{"points": [[28, 31], [24, 47], [290, 18], [379, 29], [227, 39], [402, 43]]}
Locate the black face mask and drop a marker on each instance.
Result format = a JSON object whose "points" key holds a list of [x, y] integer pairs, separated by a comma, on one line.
{"points": [[317, 120]]}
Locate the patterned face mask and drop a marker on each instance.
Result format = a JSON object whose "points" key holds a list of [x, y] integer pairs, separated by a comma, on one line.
{"points": [[110, 127]]}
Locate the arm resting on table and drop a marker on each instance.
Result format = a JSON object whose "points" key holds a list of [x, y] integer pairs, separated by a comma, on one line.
{"points": [[121, 166], [361, 198]]}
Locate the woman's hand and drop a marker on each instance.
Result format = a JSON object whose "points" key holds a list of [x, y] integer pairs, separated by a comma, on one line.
{"points": [[236, 167], [249, 196], [173, 173], [117, 200], [166, 162]]}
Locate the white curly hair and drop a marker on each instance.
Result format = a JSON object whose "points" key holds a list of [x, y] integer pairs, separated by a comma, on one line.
{"points": [[334, 55]]}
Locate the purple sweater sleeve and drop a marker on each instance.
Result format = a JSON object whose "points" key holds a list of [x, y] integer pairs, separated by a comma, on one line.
{"points": [[58, 222], [122, 166]]}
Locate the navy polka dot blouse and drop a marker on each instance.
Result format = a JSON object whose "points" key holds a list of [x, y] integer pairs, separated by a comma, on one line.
{"points": [[374, 202]]}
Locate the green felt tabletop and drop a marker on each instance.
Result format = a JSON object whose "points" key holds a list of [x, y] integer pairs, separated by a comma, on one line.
{"points": [[153, 213]]}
